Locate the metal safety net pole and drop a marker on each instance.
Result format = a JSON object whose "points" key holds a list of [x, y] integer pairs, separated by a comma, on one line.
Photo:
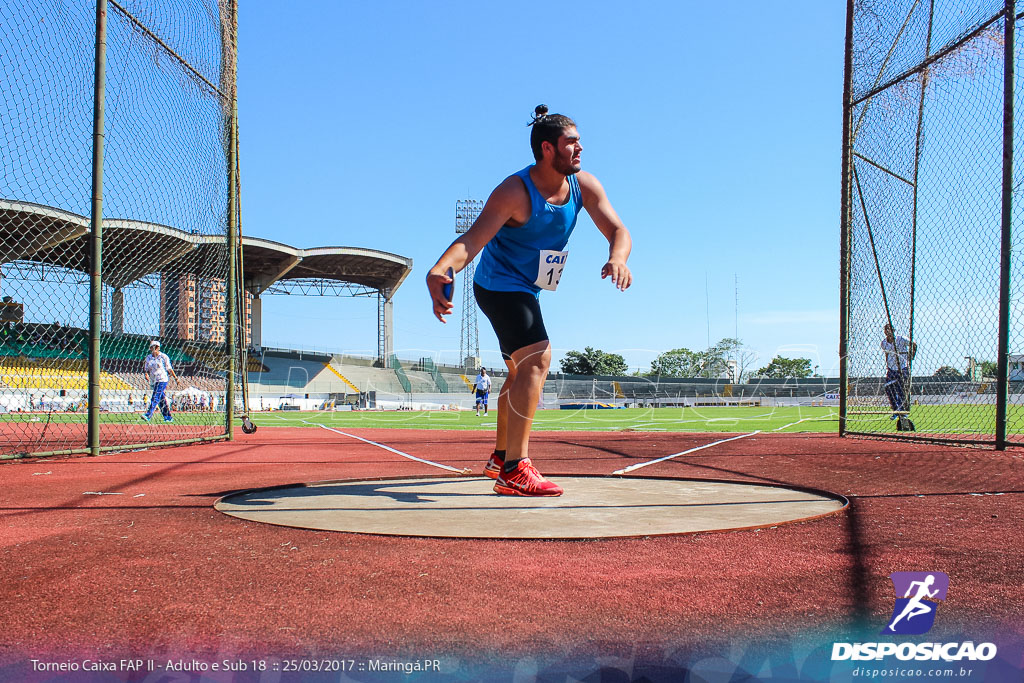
{"points": [[913, 230], [96, 231], [241, 295], [231, 327], [1006, 227], [844, 222]]}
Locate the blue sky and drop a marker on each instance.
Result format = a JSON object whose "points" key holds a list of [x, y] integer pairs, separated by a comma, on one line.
{"points": [[715, 129]]}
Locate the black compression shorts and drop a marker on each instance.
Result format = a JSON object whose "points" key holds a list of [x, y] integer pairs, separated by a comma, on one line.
{"points": [[515, 317]]}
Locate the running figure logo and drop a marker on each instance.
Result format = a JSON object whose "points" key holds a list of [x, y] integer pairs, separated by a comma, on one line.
{"points": [[914, 612]]}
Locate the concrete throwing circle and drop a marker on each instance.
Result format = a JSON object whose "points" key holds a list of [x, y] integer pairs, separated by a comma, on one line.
{"points": [[591, 507]]}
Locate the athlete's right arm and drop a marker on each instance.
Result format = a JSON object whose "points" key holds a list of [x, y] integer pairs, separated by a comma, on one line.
{"points": [[504, 204]]}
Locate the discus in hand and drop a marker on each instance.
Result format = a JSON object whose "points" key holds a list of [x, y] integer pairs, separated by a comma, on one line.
{"points": [[449, 288]]}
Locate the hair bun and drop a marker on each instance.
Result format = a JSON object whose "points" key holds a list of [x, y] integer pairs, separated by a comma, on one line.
{"points": [[539, 112]]}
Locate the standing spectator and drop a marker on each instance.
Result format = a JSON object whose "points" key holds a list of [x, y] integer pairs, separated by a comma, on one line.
{"points": [[899, 351], [482, 389], [158, 365]]}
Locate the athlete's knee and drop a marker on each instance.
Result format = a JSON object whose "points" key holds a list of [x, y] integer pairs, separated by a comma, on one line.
{"points": [[533, 374], [532, 362]]}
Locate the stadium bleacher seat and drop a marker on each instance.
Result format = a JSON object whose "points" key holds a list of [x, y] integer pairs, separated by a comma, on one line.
{"points": [[54, 376]]}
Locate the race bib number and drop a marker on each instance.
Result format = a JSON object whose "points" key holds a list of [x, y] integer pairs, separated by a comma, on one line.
{"points": [[549, 270]]}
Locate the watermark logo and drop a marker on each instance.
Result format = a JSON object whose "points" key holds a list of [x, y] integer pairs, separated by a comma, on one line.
{"points": [[917, 596]]}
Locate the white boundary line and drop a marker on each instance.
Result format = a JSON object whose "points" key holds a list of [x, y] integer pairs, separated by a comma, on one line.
{"points": [[812, 419], [779, 429], [465, 470], [676, 455]]}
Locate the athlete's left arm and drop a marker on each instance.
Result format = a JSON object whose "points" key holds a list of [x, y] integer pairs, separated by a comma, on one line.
{"points": [[595, 201]]}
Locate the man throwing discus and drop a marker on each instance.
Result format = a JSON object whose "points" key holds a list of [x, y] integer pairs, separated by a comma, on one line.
{"points": [[157, 366], [482, 389], [522, 232]]}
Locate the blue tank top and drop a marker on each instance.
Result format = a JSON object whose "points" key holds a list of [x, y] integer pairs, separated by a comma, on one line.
{"points": [[511, 260]]}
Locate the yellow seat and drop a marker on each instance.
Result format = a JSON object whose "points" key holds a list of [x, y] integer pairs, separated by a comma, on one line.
{"points": [[55, 374]]}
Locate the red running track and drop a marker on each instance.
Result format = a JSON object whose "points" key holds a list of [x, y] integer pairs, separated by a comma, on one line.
{"points": [[155, 571]]}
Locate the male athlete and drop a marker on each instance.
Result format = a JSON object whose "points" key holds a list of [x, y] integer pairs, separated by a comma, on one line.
{"points": [[523, 230], [482, 389], [898, 353], [157, 366]]}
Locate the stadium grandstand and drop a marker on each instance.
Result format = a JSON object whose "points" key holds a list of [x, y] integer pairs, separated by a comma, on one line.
{"points": [[51, 237], [44, 365]]}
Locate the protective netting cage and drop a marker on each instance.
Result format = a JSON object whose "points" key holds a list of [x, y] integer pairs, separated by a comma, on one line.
{"points": [[932, 338], [117, 220]]}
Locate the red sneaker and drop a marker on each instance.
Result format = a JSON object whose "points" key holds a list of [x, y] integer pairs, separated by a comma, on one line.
{"points": [[493, 467], [525, 480]]}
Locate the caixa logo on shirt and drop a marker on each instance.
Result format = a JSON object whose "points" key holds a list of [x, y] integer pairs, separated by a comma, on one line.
{"points": [[917, 598]]}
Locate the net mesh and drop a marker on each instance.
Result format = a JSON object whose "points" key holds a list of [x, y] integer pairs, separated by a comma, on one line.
{"points": [[925, 219], [168, 96]]}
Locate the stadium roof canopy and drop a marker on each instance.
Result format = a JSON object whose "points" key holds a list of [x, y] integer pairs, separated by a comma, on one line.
{"points": [[135, 249]]}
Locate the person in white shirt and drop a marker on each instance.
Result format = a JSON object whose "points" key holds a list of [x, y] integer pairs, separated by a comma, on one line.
{"points": [[899, 351], [157, 366], [482, 389]]}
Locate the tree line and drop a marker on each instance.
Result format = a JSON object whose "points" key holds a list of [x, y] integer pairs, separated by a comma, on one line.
{"points": [[715, 362], [988, 368], [711, 363]]}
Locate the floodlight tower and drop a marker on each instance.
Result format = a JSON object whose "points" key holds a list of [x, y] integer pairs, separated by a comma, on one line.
{"points": [[466, 212]]}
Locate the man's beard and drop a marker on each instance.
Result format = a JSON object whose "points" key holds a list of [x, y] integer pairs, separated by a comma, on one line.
{"points": [[565, 166]]}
